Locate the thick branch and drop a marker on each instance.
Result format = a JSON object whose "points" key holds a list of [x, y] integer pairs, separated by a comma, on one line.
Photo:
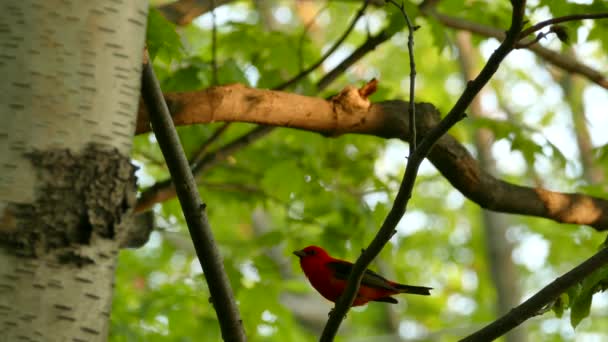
{"points": [[182, 12], [194, 210], [387, 119], [544, 297]]}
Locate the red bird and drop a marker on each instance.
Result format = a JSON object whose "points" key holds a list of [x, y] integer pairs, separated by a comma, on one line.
{"points": [[328, 276]]}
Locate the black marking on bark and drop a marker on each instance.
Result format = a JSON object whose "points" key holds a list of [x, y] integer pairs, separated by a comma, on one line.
{"points": [[55, 284], [79, 196], [92, 296], [62, 307], [89, 330], [66, 318], [71, 257], [83, 280]]}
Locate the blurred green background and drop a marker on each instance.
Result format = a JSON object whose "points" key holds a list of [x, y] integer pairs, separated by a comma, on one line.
{"points": [[292, 188]]}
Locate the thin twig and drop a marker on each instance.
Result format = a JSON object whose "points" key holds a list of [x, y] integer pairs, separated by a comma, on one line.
{"points": [[560, 60], [410, 49], [164, 190], [540, 300], [369, 45], [331, 50], [202, 150], [215, 78], [558, 20], [193, 208], [301, 40], [387, 230]]}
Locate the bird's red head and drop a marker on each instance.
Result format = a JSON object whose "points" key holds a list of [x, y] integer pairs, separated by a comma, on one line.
{"points": [[312, 252]]}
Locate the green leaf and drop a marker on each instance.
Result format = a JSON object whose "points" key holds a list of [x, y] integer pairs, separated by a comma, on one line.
{"points": [[559, 306], [581, 304], [230, 72], [161, 38], [580, 309]]}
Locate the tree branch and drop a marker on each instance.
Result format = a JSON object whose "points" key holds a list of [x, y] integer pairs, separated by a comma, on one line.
{"points": [[554, 21], [164, 190], [387, 119], [541, 299], [410, 48], [387, 230], [183, 12], [331, 50], [369, 45], [562, 61], [194, 210]]}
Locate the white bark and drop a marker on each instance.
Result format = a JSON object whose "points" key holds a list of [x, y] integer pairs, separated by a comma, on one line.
{"points": [[70, 77]]}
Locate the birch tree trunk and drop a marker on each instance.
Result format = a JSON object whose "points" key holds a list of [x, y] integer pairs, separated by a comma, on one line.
{"points": [[70, 75]]}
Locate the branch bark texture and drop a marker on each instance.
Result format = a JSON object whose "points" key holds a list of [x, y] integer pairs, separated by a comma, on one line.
{"points": [[345, 113], [540, 300], [194, 210]]}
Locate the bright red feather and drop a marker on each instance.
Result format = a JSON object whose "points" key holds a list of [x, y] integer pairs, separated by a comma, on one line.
{"points": [[328, 276]]}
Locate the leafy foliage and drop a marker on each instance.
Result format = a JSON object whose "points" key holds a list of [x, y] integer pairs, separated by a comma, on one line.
{"points": [[293, 188]]}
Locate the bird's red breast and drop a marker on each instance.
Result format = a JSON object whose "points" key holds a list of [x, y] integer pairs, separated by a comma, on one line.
{"points": [[328, 276]]}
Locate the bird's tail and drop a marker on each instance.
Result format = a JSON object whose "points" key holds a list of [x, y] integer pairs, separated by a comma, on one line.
{"points": [[419, 290]]}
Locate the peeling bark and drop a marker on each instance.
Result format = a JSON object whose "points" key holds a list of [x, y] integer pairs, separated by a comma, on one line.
{"points": [[387, 119], [57, 258]]}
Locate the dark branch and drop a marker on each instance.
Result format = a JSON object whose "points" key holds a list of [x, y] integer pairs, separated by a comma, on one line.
{"points": [[563, 19], [560, 60], [410, 48], [405, 190], [201, 152], [196, 217], [369, 45], [214, 78], [164, 190], [540, 300], [334, 47]]}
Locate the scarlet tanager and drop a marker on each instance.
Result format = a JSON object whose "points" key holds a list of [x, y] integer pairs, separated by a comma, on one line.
{"points": [[328, 276]]}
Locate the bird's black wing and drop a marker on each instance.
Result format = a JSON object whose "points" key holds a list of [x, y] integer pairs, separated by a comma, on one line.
{"points": [[342, 270]]}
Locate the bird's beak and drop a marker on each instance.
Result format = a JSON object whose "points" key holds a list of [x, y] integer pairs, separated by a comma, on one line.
{"points": [[300, 254]]}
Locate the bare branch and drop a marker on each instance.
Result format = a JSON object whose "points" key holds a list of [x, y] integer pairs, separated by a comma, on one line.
{"points": [[196, 217], [331, 50], [562, 61], [202, 150], [554, 21], [369, 45], [214, 71], [387, 119], [387, 230], [164, 190], [183, 12], [540, 300], [410, 49]]}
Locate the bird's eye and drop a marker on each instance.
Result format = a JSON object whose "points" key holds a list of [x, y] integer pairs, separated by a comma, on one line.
{"points": [[312, 252]]}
